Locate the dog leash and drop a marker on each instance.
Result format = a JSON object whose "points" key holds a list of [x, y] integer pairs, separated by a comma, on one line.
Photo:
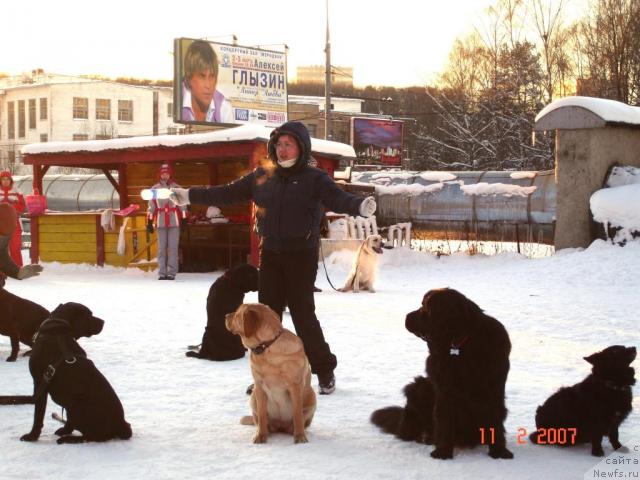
{"points": [[325, 268]]}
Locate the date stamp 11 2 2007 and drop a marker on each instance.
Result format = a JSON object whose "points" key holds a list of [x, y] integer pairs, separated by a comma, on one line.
{"points": [[546, 436]]}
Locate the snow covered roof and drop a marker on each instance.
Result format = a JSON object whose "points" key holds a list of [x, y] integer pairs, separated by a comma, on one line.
{"points": [[246, 132], [585, 112]]}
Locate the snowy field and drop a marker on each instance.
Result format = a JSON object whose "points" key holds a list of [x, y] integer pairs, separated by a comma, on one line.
{"points": [[185, 412]]}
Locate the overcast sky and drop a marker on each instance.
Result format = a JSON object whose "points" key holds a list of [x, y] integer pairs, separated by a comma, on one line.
{"points": [[399, 42]]}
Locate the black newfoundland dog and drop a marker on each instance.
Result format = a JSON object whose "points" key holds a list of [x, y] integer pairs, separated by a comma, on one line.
{"points": [[593, 408], [461, 401], [19, 320], [60, 368], [225, 296]]}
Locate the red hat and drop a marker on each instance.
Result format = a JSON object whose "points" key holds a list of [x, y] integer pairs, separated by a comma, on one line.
{"points": [[6, 174]]}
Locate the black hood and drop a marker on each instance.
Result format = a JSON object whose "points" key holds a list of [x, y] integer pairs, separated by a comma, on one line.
{"points": [[298, 131]]}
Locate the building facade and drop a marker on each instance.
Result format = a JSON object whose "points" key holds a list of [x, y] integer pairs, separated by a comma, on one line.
{"points": [[49, 108]]}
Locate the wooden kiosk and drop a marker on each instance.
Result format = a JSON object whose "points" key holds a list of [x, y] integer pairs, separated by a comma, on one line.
{"points": [[211, 158]]}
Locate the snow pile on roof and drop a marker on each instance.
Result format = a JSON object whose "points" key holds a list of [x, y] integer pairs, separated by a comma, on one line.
{"points": [[610, 111], [246, 132], [521, 175], [484, 188], [623, 175], [619, 208], [437, 176], [412, 190]]}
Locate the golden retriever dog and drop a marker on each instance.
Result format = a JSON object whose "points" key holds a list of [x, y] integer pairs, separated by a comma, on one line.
{"points": [[282, 399], [365, 266]]}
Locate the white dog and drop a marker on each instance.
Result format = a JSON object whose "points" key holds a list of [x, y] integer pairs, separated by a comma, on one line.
{"points": [[365, 266]]}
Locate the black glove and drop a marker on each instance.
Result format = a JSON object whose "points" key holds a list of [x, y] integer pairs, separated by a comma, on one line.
{"points": [[150, 226]]}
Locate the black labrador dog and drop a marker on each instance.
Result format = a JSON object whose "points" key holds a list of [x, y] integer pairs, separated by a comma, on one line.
{"points": [[60, 368], [460, 403], [19, 320], [593, 408], [225, 296]]}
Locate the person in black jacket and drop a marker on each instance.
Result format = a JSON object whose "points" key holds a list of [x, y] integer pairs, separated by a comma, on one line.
{"points": [[289, 195]]}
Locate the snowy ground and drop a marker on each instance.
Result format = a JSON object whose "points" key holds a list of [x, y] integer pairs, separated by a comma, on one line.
{"points": [[184, 412]]}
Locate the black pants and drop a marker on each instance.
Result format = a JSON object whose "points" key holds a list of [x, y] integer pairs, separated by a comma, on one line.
{"points": [[287, 278]]}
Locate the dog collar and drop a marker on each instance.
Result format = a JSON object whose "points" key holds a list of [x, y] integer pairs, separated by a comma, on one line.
{"points": [[455, 347], [263, 346]]}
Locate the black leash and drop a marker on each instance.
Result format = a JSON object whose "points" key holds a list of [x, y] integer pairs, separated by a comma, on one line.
{"points": [[325, 267]]}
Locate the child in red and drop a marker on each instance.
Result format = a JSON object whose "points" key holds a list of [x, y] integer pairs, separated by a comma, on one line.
{"points": [[10, 195]]}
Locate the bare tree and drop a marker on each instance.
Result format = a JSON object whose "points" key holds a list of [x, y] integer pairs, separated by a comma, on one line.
{"points": [[547, 20], [610, 44]]}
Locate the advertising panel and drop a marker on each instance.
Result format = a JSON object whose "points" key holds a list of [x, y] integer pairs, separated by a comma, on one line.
{"points": [[218, 83], [377, 141]]}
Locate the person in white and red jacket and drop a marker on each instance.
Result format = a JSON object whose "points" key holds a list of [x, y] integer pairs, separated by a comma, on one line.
{"points": [[167, 218], [8, 194]]}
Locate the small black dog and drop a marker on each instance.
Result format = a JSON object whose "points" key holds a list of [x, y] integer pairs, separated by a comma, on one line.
{"points": [[594, 407], [19, 320], [60, 368], [225, 296], [463, 393]]}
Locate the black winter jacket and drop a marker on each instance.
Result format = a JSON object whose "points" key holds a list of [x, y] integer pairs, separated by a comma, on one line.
{"points": [[289, 203]]}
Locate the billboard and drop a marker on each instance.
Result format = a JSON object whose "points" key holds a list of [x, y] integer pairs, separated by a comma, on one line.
{"points": [[219, 83], [377, 141]]}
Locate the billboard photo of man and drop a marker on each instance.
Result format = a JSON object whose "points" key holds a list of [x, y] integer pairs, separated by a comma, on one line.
{"points": [[201, 101], [222, 84]]}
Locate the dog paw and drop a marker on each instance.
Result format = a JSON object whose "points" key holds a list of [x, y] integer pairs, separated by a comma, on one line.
{"points": [[63, 431], [597, 451], [260, 438], [12, 358], [30, 437], [442, 453], [500, 453], [300, 438], [69, 439], [621, 448]]}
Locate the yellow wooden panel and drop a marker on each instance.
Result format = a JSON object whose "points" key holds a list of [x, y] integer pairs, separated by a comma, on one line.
{"points": [[115, 259], [86, 219], [70, 228], [66, 237], [68, 257], [67, 247]]}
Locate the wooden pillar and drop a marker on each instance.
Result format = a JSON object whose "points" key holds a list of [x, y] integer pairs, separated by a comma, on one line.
{"points": [[123, 184], [99, 242]]}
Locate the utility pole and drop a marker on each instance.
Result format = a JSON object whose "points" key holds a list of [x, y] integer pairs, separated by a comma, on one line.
{"points": [[327, 83]]}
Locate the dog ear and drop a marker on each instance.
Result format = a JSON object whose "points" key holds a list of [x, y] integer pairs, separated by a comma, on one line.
{"points": [[593, 358], [250, 322]]}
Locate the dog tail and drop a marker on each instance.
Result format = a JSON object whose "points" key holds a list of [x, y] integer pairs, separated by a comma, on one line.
{"points": [[247, 420], [126, 432], [16, 400], [388, 418]]}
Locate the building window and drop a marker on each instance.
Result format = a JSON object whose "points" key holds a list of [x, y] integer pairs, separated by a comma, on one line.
{"points": [[103, 109], [11, 120], [21, 119], [170, 110], [32, 113], [103, 137], [80, 107], [44, 137], [44, 110], [80, 136], [125, 110], [125, 136]]}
